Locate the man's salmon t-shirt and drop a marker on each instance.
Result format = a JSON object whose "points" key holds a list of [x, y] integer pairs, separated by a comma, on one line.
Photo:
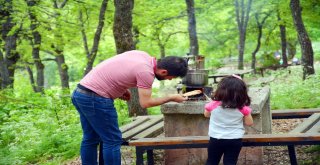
{"points": [[112, 77]]}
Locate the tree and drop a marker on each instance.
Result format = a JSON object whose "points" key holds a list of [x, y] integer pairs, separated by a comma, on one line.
{"points": [[304, 40], [91, 55], [9, 35], [122, 31], [283, 39], [242, 18], [194, 46], [122, 27], [161, 36], [259, 26], [36, 44], [59, 47]]}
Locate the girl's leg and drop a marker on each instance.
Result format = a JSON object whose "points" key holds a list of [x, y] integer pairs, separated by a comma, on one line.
{"points": [[232, 150], [215, 151]]}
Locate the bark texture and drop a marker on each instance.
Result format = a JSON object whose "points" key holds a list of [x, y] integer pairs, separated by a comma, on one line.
{"points": [[36, 44], [91, 55], [242, 18], [192, 28], [304, 40], [122, 31], [259, 26], [283, 40], [10, 56]]}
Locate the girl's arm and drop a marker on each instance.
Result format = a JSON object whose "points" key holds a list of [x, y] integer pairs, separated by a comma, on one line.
{"points": [[210, 106], [246, 111], [207, 113], [248, 120]]}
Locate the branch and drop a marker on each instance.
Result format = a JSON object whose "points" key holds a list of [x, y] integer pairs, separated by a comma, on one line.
{"points": [[265, 17], [49, 52], [97, 35], [48, 59], [84, 36], [171, 34], [247, 13], [182, 14], [55, 4], [236, 3], [63, 4]]}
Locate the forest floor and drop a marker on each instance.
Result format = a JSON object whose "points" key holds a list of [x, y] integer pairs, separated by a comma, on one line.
{"points": [[274, 155]]}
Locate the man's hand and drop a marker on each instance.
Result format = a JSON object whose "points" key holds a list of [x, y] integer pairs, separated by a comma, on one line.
{"points": [[178, 98], [126, 96], [147, 101]]}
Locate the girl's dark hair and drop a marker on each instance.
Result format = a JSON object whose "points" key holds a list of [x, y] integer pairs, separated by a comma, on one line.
{"points": [[232, 92], [176, 66]]}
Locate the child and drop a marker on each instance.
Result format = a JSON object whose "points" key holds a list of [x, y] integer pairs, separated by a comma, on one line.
{"points": [[228, 112]]}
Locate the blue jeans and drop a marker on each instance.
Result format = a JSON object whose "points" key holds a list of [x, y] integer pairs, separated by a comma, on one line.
{"points": [[99, 121]]}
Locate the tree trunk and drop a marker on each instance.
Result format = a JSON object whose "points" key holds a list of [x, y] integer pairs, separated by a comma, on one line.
{"points": [[122, 31], [283, 41], [123, 25], [136, 37], [242, 41], [134, 105], [4, 74], [58, 48], [304, 40], [63, 72], [33, 84], [93, 53], [162, 50], [194, 46], [10, 57], [259, 26], [36, 44], [291, 45], [242, 18], [253, 63]]}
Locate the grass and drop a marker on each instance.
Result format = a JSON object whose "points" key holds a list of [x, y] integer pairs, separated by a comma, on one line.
{"points": [[289, 91]]}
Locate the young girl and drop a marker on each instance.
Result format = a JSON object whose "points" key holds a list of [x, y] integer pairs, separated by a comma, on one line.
{"points": [[228, 113]]}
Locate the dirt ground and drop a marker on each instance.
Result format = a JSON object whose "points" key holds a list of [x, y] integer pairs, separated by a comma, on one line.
{"points": [[274, 155]]}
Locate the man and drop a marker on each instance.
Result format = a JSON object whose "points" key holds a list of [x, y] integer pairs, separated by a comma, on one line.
{"points": [[109, 80]]}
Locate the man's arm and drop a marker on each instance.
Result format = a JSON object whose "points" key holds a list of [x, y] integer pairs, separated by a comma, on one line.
{"points": [[146, 100]]}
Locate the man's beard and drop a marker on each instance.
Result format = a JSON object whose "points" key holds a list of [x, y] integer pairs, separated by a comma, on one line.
{"points": [[159, 77]]}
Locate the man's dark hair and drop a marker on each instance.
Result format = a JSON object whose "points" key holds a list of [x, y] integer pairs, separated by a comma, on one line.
{"points": [[176, 66], [232, 92]]}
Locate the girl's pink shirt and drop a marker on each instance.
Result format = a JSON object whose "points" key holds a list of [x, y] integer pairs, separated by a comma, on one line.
{"points": [[214, 104]]}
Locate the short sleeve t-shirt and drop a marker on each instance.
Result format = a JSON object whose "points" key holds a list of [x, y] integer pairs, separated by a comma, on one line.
{"points": [[112, 77], [226, 123]]}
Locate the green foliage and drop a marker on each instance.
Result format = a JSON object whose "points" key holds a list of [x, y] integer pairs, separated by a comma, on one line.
{"points": [[41, 129], [214, 63], [312, 149], [267, 59], [154, 110], [289, 91], [37, 128]]}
